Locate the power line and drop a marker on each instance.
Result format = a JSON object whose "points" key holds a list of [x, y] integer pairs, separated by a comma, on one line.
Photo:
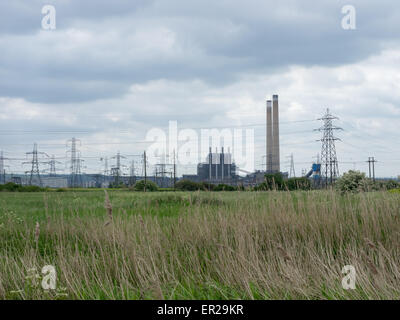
{"points": [[371, 163], [45, 132]]}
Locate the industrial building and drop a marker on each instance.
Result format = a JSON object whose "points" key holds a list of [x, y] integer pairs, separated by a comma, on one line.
{"points": [[218, 168], [55, 182]]}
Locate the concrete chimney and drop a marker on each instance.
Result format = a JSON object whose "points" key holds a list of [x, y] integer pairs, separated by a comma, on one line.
{"points": [[275, 132], [269, 150]]}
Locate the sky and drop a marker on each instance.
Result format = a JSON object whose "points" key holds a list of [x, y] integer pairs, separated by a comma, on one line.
{"points": [[113, 70]]}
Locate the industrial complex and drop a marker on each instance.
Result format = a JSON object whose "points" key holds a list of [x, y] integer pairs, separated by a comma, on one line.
{"points": [[218, 167]]}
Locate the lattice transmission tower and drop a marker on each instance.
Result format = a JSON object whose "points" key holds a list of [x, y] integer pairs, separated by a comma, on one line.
{"points": [[329, 162], [292, 172], [117, 170], [2, 169], [132, 174], [34, 177], [104, 172], [105, 166], [75, 164], [52, 166]]}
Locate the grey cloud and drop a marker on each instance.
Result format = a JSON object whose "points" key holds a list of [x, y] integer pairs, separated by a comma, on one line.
{"points": [[25, 16], [198, 62], [217, 42]]}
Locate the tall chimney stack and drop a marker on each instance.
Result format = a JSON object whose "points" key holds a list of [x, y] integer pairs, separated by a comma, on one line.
{"points": [[276, 156], [269, 151]]}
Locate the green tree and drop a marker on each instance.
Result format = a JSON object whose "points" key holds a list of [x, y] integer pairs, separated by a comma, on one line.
{"points": [[150, 186], [353, 181], [273, 181], [187, 185]]}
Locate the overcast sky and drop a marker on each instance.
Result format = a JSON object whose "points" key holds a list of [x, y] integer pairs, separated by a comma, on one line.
{"points": [[112, 70]]}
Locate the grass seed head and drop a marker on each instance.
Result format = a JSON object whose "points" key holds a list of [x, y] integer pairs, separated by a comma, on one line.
{"points": [[37, 231], [107, 205]]}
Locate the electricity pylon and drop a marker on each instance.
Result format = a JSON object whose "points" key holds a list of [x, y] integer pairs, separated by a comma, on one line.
{"points": [[75, 164], [329, 163], [35, 166]]}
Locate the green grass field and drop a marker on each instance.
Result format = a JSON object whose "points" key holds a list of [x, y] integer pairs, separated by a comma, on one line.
{"points": [[200, 245]]}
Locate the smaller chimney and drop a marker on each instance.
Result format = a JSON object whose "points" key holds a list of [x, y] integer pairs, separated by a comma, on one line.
{"points": [[269, 150], [275, 133]]}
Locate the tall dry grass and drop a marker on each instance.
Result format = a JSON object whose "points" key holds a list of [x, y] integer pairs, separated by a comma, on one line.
{"points": [[275, 245]]}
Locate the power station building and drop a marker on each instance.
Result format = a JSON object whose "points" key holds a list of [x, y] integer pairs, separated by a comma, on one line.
{"points": [[218, 168]]}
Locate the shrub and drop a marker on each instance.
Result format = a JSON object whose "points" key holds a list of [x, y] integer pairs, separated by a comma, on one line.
{"points": [[13, 187], [207, 186], [383, 185], [114, 185], [150, 186], [31, 189], [272, 182], [187, 185], [277, 182], [298, 184], [262, 187], [391, 184], [224, 187], [353, 181]]}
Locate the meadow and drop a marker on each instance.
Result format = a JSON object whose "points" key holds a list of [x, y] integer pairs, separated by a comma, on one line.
{"points": [[200, 245]]}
